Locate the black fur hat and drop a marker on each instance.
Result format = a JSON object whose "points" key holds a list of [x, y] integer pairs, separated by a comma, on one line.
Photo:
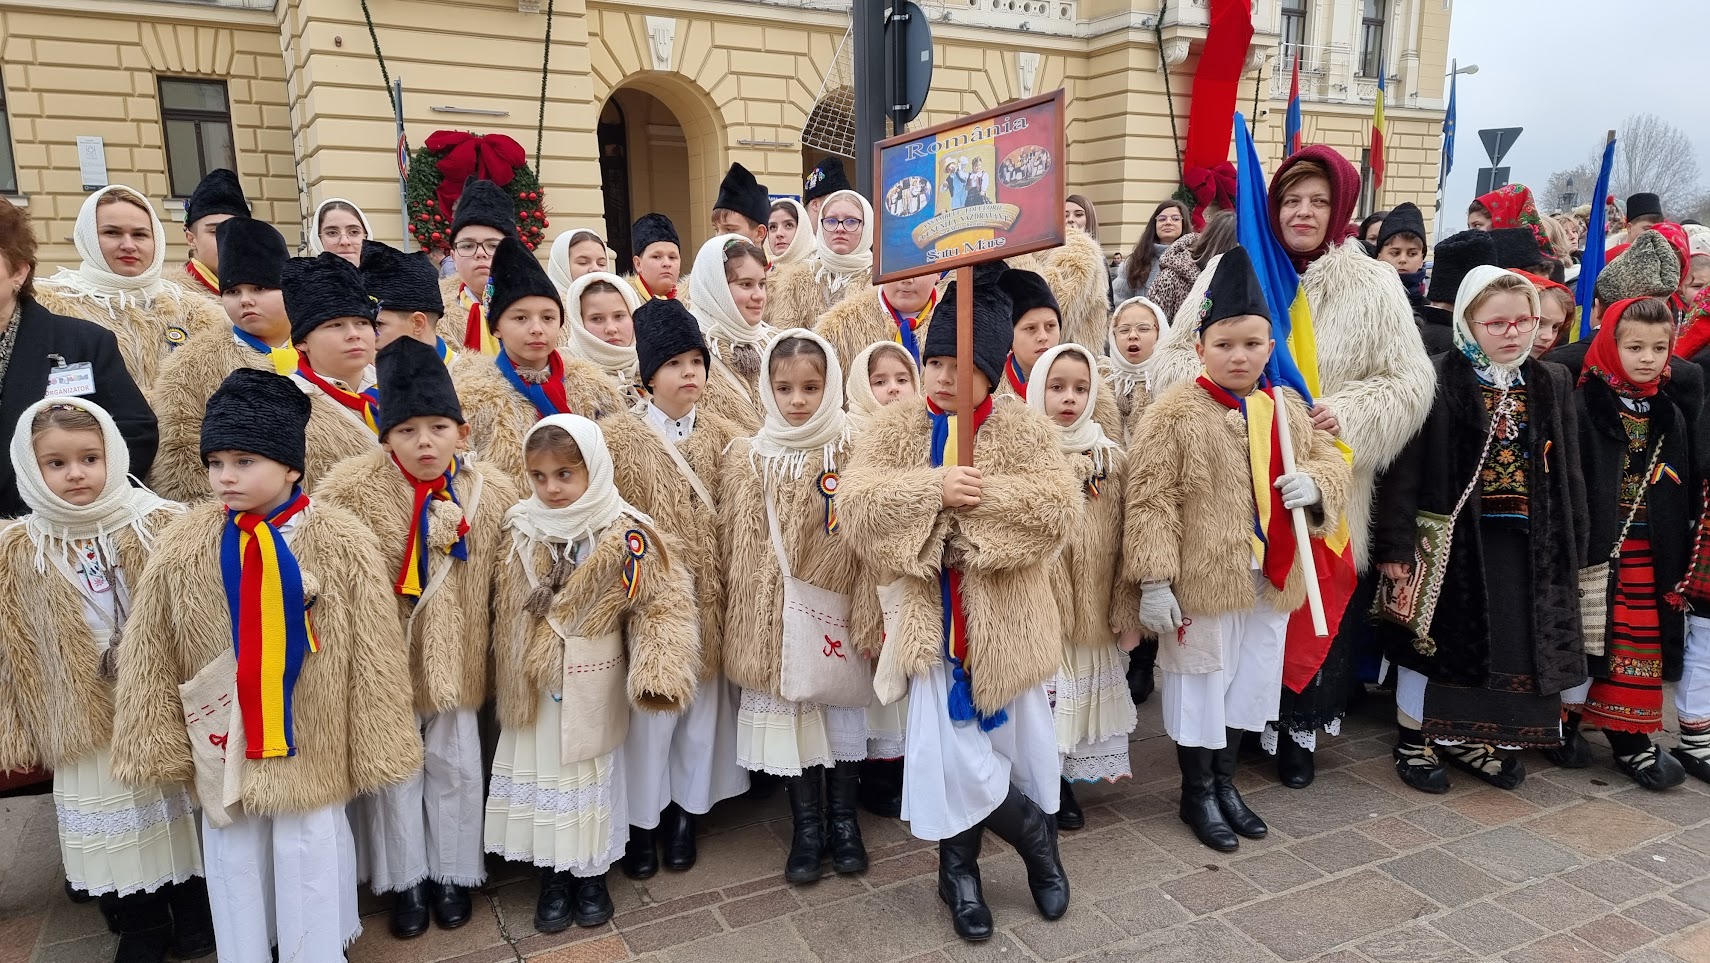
{"points": [[1027, 290], [1234, 291], [741, 193], [1455, 256], [320, 288], [827, 177], [259, 412], [665, 329], [993, 329], [1644, 205], [251, 252], [218, 193], [1405, 219], [517, 275], [1517, 247], [413, 381], [400, 282], [484, 202], [652, 229]]}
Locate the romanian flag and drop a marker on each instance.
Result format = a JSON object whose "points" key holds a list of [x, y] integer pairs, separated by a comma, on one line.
{"points": [[1291, 127], [1596, 234], [1294, 364], [1376, 161]]}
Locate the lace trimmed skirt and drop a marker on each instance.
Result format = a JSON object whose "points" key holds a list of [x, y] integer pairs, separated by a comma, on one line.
{"points": [[1094, 713], [115, 839], [784, 738]]}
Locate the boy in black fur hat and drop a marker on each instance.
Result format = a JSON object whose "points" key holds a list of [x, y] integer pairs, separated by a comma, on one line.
{"points": [[827, 178], [485, 215], [1401, 243], [743, 205], [215, 200], [407, 299], [1456, 255], [658, 257]]}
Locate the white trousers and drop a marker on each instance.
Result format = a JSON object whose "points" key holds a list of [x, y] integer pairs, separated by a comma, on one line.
{"points": [[429, 825], [288, 881], [687, 758], [1200, 708], [1692, 692]]}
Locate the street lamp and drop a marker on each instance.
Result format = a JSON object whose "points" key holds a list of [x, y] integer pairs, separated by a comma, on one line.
{"points": [[1469, 70]]}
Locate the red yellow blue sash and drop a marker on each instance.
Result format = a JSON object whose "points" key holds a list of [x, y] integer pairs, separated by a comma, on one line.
{"points": [[271, 630], [1273, 529], [202, 275], [414, 573], [477, 334], [907, 327], [548, 398], [961, 699], [285, 359], [1017, 378], [365, 404]]}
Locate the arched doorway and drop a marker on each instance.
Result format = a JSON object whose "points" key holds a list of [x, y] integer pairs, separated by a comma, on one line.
{"points": [[660, 152], [614, 179]]}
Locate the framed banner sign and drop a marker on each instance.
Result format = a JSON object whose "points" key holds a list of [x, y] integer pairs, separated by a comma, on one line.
{"points": [[970, 190]]}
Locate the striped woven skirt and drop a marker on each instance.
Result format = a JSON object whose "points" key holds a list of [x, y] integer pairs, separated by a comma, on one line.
{"points": [[1630, 698]]}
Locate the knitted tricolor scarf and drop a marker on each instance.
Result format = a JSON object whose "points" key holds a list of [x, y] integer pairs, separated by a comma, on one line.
{"points": [[271, 631]]}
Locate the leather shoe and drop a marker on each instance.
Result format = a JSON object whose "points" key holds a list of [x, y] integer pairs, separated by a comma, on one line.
{"points": [[1069, 815], [1295, 765], [410, 911], [959, 885], [552, 910], [593, 904], [1665, 772], [1694, 766], [1229, 802], [640, 857], [678, 827], [1199, 807], [807, 826], [450, 905]]}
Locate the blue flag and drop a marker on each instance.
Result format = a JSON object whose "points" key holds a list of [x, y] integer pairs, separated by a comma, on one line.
{"points": [[1596, 235], [1277, 276], [1448, 137]]}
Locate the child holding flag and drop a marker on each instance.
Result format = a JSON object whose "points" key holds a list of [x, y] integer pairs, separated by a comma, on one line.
{"points": [[1210, 540]]}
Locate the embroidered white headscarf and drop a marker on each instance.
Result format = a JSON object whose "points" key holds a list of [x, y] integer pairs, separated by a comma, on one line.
{"points": [[802, 244], [530, 519], [1125, 375], [93, 278], [558, 263], [862, 405], [618, 361], [779, 446], [834, 269], [315, 245], [1498, 375], [1085, 434], [711, 304]]}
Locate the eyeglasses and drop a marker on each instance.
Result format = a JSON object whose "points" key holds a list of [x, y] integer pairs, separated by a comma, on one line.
{"points": [[847, 225], [1133, 329], [1501, 326], [471, 248], [333, 233]]}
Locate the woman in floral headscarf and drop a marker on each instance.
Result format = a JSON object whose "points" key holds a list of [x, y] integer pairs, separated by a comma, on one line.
{"points": [[1510, 206]]}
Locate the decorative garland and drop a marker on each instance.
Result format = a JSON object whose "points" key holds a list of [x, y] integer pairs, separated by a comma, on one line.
{"points": [[430, 217]]}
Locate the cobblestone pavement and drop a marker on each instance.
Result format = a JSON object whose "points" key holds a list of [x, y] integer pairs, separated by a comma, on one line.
{"points": [[1575, 866]]}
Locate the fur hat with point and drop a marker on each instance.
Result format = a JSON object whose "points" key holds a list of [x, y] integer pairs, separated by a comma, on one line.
{"points": [[320, 288], [1234, 291], [740, 192], [486, 203], [259, 412], [251, 252], [414, 383], [827, 178], [1455, 256], [516, 275], [665, 329], [993, 328], [400, 282]]}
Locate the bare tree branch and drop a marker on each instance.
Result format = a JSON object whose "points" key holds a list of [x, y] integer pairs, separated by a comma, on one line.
{"points": [[1650, 155]]}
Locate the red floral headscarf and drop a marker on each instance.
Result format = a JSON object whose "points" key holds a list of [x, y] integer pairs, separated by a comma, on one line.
{"points": [[1603, 360], [1676, 237], [1695, 329], [1344, 195], [1512, 206]]}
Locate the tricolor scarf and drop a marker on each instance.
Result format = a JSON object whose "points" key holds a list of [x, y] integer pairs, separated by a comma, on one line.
{"points": [[1016, 375], [961, 700], [906, 326], [548, 397], [206, 278], [271, 629], [444, 350], [365, 404], [647, 292], [477, 335], [285, 359], [1273, 529], [414, 574]]}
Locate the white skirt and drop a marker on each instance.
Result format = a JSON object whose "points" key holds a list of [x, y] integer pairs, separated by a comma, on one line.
{"points": [[687, 758], [1200, 708], [956, 773], [1093, 712], [886, 729], [115, 839], [540, 811], [784, 738]]}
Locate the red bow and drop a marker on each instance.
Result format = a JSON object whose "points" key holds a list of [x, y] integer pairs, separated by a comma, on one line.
{"points": [[834, 647], [1210, 184], [493, 157]]}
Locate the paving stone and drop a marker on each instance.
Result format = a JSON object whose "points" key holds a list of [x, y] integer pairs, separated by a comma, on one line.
{"points": [[650, 912], [1695, 894], [1547, 793], [1414, 944], [1276, 871], [1560, 948], [65, 920], [1338, 851], [1614, 934], [774, 944], [1341, 956], [1614, 881], [1209, 891], [1662, 915], [1490, 806], [1143, 911], [725, 859], [503, 953], [1442, 877], [757, 909], [1319, 918], [1690, 947], [1665, 861], [1001, 948], [1485, 928], [1335, 801], [1515, 855], [1677, 806], [1397, 833], [913, 921], [1440, 822], [1204, 939], [1123, 858], [903, 867], [377, 945], [86, 950], [831, 888], [610, 949], [1599, 827], [1171, 836], [671, 932], [1080, 930], [1553, 904], [1696, 839]]}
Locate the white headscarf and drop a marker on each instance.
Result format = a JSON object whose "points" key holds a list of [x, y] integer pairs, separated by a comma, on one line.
{"points": [[711, 304], [315, 245], [859, 393], [779, 446], [54, 523], [600, 506], [558, 264], [834, 269], [617, 361], [1125, 375], [1498, 375], [802, 244], [94, 279], [1085, 434]]}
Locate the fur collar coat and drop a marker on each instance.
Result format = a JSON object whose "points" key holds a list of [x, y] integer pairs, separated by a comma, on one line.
{"points": [[893, 516], [795, 297], [1376, 375], [1190, 510], [456, 317], [1105, 410], [1129, 406], [1096, 603], [191, 288], [860, 320], [449, 633], [355, 728], [145, 335], [728, 394]]}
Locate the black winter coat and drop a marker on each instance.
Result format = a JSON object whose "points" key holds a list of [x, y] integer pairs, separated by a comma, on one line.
{"points": [[1436, 328], [1430, 475], [43, 335]]}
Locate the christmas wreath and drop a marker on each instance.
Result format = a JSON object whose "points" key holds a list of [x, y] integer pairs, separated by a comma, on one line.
{"points": [[448, 158]]}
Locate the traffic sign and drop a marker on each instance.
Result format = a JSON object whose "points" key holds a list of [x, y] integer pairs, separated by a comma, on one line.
{"points": [[910, 38], [1497, 141], [1491, 178]]}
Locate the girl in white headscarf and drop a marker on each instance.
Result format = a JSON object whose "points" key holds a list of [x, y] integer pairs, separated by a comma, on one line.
{"points": [[1136, 327], [841, 264], [339, 226], [118, 285], [789, 234], [594, 614], [600, 327], [71, 565], [882, 374], [728, 294], [778, 524], [576, 252], [1100, 613]]}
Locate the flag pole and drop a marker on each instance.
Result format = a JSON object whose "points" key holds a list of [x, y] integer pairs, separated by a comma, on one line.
{"points": [[1302, 537], [965, 367]]}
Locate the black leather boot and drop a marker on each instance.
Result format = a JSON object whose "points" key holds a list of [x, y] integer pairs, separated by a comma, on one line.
{"points": [[145, 926], [410, 911], [1574, 752], [881, 787], [76, 895], [451, 907], [1020, 822], [192, 921], [1229, 801], [1069, 815], [592, 902], [552, 910], [807, 817], [1199, 807], [1141, 664], [677, 825], [959, 885], [640, 857], [1295, 765], [843, 827]]}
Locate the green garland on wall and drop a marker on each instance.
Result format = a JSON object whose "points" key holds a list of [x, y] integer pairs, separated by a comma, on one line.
{"points": [[431, 227]]}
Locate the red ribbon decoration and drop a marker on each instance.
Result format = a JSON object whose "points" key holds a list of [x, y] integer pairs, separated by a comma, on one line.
{"points": [[1215, 184], [834, 647], [1216, 83], [493, 157]]}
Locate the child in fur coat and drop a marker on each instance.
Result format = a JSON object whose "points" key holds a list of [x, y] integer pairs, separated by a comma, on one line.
{"points": [[332, 328], [779, 525], [437, 518], [1100, 612], [1037, 327], [280, 717], [67, 571], [1205, 526], [729, 305], [600, 327], [896, 311], [485, 214], [982, 746], [593, 615]]}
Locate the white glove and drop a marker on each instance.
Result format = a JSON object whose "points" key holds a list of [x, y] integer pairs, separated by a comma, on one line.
{"points": [[1299, 490], [1159, 610]]}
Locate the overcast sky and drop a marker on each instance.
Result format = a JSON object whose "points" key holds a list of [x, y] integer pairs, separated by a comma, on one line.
{"points": [[1532, 73]]}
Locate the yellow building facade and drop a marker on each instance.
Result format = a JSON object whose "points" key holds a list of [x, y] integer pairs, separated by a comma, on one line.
{"points": [[645, 105]]}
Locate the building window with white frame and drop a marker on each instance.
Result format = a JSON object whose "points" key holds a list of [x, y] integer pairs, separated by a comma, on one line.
{"points": [[196, 123], [1293, 31], [1371, 37]]}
